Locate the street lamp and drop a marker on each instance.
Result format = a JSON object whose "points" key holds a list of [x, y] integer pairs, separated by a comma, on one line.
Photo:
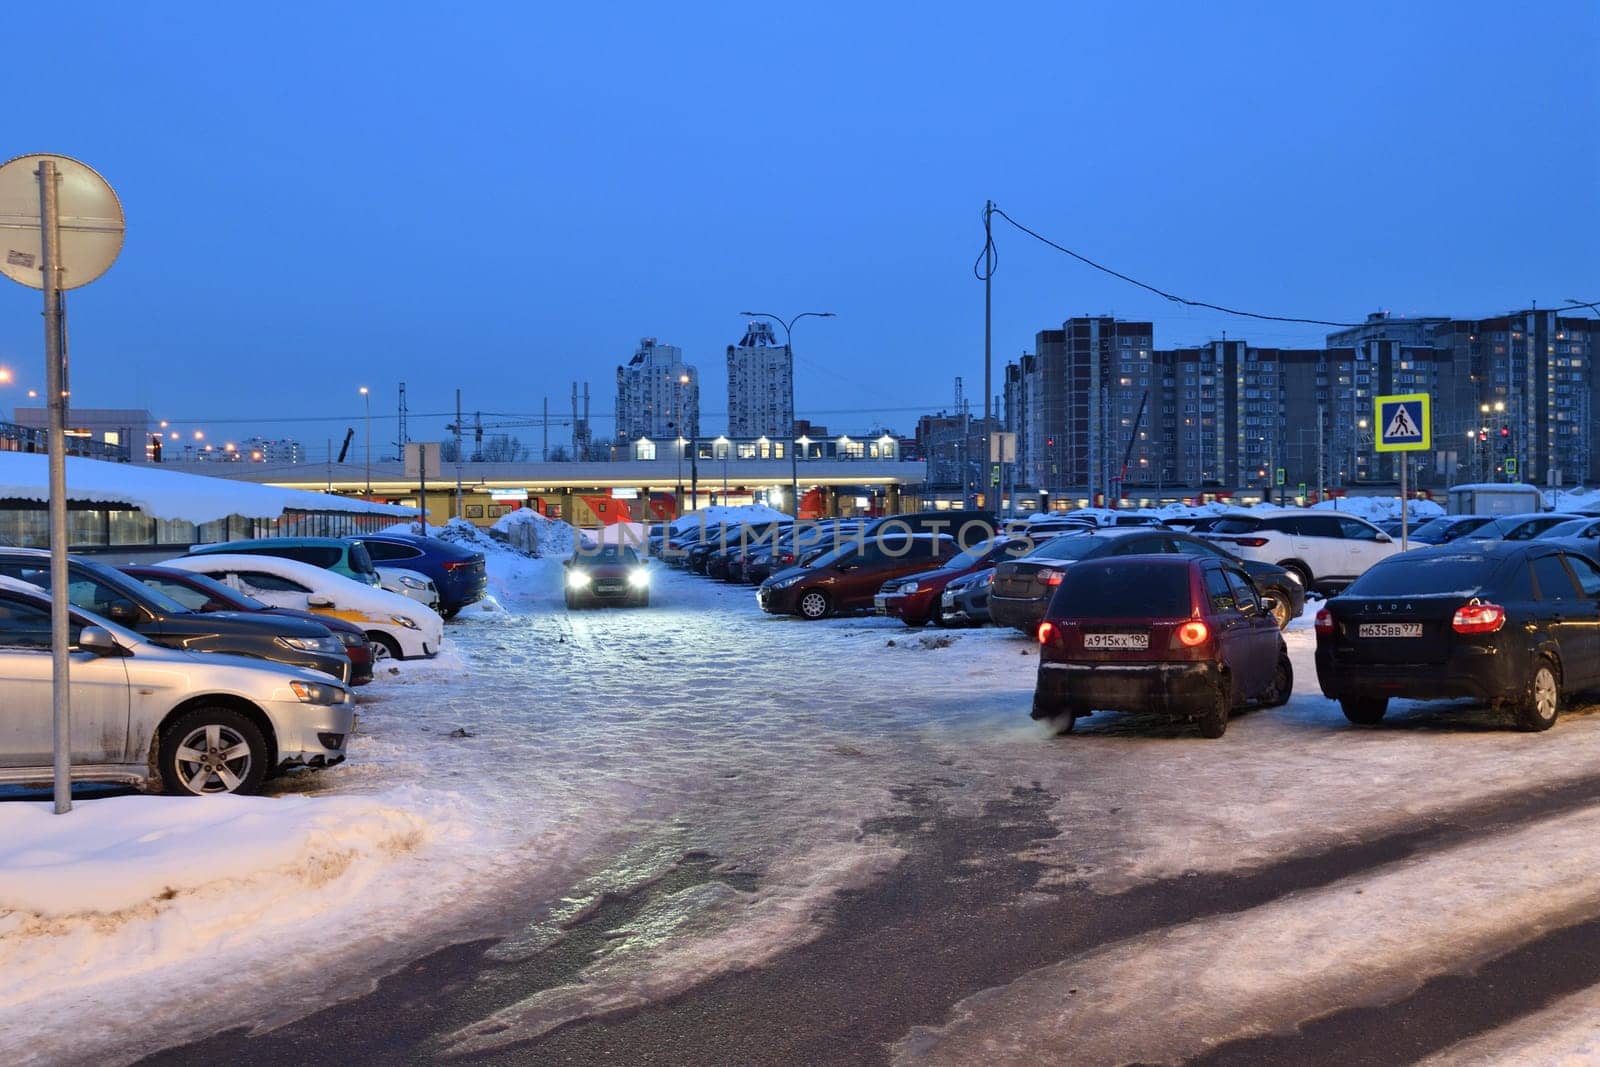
{"points": [[788, 344], [367, 396], [722, 443], [677, 426]]}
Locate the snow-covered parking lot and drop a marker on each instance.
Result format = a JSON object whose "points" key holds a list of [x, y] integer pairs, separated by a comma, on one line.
{"points": [[747, 767]]}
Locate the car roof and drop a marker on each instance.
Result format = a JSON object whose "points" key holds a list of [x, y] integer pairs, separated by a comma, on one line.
{"points": [[1487, 549], [317, 542], [1523, 516]]}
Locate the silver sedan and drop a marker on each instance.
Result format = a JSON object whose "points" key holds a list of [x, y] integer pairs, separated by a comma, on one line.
{"points": [[188, 722]]}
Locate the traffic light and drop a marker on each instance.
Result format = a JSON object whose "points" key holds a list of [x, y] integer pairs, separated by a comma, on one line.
{"points": [[1050, 442], [1483, 435], [1505, 431]]}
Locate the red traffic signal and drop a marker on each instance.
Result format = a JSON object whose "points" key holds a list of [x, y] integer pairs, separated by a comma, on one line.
{"points": [[1505, 431]]}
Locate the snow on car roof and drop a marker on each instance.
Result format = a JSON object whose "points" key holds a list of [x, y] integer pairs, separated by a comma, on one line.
{"points": [[347, 592]]}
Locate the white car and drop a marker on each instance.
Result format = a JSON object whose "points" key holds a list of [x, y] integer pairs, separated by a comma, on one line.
{"points": [[191, 723], [1325, 550], [411, 585], [400, 628]]}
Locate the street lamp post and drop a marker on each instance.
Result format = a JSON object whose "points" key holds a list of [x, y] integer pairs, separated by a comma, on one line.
{"points": [[677, 429], [367, 396], [788, 344], [722, 443]]}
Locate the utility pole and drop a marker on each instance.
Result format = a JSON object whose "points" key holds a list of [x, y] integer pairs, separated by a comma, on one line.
{"points": [[460, 514], [988, 321], [1320, 416], [56, 382], [402, 437], [544, 456]]}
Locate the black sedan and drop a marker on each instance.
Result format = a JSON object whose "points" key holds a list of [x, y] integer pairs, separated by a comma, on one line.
{"points": [[1022, 588], [1514, 624]]}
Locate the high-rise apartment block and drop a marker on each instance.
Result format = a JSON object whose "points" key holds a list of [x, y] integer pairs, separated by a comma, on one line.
{"points": [[658, 395], [760, 385]]}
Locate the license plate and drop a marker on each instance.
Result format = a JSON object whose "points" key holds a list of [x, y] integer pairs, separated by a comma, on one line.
{"points": [[1390, 629], [948, 600], [1135, 642]]}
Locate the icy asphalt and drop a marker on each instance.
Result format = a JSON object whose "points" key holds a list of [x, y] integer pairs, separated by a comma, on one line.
{"points": [[695, 834]]}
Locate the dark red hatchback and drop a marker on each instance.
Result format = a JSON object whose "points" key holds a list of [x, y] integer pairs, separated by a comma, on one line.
{"points": [[1188, 638]]}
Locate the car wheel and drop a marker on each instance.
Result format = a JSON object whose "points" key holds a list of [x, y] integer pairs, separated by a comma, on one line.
{"points": [[212, 750], [1278, 692], [1282, 607], [1214, 719], [814, 604], [1539, 706], [1364, 711], [450, 613], [1300, 570], [383, 647]]}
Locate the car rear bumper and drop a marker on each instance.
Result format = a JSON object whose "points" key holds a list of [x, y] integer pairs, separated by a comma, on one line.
{"points": [[1180, 690], [1477, 672], [1023, 615]]}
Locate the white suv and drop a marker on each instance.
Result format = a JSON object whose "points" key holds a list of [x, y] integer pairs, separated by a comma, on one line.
{"points": [[1326, 550]]}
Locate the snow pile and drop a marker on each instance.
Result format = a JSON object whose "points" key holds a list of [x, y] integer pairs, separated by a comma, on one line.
{"points": [[172, 495], [1572, 499], [720, 513], [535, 534], [1380, 508]]}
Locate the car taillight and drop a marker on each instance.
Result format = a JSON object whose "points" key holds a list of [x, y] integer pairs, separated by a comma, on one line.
{"points": [[1051, 577], [1047, 632], [1324, 621], [1250, 542], [1193, 633], [455, 565], [1478, 619]]}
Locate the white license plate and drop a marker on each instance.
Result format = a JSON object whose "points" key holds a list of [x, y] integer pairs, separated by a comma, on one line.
{"points": [[948, 600], [1390, 629], [1136, 642]]}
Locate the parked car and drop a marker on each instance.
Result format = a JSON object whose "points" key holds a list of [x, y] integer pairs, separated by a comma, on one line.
{"points": [[846, 578], [347, 557], [1390, 526], [1576, 535], [411, 585], [968, 526], [1325, 549], [1447, 528], [1512, 623], [458, 573], [1524, 527], [965, 601], [108, 593], [153, 716], [800, 543], [1188, 637], [607, 574], [200, 592], [915, 598], [398, 628], [1022, 588]]}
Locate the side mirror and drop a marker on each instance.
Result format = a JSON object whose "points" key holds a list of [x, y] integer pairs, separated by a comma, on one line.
{"points": [[213, 605], [319, 600], [1384, 539], [123, 612], [98, 640]]}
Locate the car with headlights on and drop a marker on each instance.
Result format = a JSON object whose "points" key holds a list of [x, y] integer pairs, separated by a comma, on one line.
{"points": [[202, 593], [105, 591], [606, 574], [397, 627], [848, 577], [1189, 638], [190, 723], [1515, 624]]}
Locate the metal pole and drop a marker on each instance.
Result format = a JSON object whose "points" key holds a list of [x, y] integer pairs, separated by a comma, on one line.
{"points": [[422, 481], [794, 455], [988, 308], [56, 383], [677, 432], [1405, 500], [366, 395], [1320, 417], [460, 514]]}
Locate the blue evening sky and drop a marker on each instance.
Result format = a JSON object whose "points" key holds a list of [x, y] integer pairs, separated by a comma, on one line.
{"points": [[504, 198]]}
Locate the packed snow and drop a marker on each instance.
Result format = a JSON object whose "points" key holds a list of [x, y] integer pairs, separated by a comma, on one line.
{"points": [[170, 495], [716, 514]]}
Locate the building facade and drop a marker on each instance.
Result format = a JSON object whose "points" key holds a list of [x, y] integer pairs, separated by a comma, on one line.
{"points": [[658, 395], [760, 385], [111, 433]]}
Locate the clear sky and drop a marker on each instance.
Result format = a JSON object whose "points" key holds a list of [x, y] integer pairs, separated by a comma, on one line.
{"points": [[505, 197]]}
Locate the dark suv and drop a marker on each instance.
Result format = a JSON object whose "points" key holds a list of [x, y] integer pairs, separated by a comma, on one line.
{"points": [[458, 573], [128, 602], [846, 578]]}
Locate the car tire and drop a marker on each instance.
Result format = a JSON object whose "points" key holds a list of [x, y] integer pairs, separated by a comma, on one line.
{"points": [[1282, 686], [450, 613], [383, 647], [814, 604], [1301, 570], [194, 755], [1537, 708], [1214, 719], [1058, 719], [1364, 711], [1283, 612]]}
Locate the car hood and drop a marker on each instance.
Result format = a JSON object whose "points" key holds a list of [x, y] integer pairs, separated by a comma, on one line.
{"points": [[244, 624], [328, 622]]}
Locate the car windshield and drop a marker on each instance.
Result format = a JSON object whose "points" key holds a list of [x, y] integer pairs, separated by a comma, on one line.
{"points": [[1069, 546], [1235, 525], [1441, 529], [1118, 590], [1570, 528], [361, 559], [1455, 574], [608, 554], [135, 590], [222, 593]]}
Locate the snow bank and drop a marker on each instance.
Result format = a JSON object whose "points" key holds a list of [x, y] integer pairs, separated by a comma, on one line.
{"points": [[720, 513], [518, 577], [172, 495], [1572, 499], [536, 534], [1379, 508]]}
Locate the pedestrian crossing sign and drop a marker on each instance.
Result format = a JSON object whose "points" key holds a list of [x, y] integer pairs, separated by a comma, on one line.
{"points": [[1403, 423]]}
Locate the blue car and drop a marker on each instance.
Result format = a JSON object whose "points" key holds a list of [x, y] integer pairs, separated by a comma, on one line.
{"points": [[458, 572]]}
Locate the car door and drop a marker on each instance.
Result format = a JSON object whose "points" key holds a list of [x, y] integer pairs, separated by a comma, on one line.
{"points": [[99, 705], [1233, 632], [1260, 646], [1586, 615], [1562, 615]]}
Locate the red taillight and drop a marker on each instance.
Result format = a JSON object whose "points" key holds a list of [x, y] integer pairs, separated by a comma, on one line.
{"points": [[1324, 621], [1051, 577], [1250, 542], [1478, 619], [1047, 632], [455, 565], [1193, 633]]}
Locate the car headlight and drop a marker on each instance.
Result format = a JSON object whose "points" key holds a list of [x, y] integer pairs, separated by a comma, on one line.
{"points": [[577, 579], [351, 640], [786, 582], [638, 577], [403, 620], [909, 587], [414, 583], [318, 693], [313, 644]]}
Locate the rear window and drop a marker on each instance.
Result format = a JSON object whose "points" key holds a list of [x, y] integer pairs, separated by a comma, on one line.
{"points": [[1462, 574], [1069, 546], [1107, 590], [1235, 526]]}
